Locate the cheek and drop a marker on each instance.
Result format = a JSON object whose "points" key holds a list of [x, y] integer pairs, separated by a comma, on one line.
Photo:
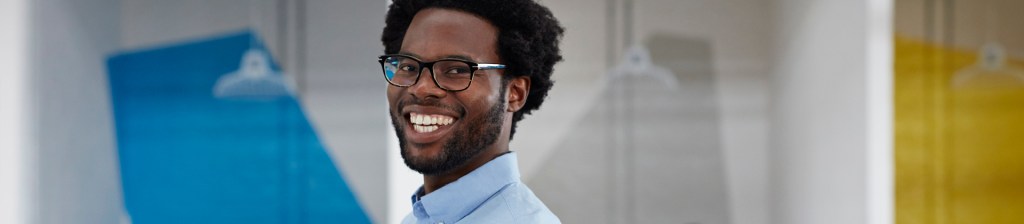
{"points": [[490, 89], [478, 101]]}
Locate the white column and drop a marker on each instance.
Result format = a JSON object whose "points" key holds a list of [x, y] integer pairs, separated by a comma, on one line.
{"points": [[831, 127], [15, 132], [880, 182]]}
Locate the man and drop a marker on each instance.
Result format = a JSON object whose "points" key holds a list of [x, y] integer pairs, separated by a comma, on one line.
{"points": [[461, 74]]}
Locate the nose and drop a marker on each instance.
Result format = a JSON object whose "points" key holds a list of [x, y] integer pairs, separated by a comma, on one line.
{"points": [[426, 87]]}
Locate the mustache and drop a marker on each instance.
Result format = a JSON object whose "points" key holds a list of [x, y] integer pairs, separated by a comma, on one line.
{"points": [[429, 102]]}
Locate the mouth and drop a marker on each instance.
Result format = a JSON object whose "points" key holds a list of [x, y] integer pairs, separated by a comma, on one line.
{"points": [[427, 127]]}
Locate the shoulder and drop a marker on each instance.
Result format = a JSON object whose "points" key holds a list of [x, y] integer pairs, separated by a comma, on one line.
{"points": [[515, 203]]}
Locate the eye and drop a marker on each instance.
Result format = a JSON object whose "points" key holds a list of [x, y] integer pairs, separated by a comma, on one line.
{"points": [[458, 70], [407, 67]]}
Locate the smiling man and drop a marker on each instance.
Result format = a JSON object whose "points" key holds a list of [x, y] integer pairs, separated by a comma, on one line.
{"points": [[461, 74]]}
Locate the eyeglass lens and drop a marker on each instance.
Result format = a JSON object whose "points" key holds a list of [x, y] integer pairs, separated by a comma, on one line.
{"points": [[449, 74]]}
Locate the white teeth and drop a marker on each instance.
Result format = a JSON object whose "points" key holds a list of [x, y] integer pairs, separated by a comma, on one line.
{"points": [[426, 120], [424, 129], [423, 123]]}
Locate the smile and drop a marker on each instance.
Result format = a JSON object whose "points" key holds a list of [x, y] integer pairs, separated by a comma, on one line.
{"points": [[426, 123]]}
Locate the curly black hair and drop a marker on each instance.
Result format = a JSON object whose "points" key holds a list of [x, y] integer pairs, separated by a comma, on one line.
{"points": [[528, 37]]}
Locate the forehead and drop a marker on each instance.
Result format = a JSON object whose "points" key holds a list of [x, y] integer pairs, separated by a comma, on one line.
{"points": [[437, 33]]}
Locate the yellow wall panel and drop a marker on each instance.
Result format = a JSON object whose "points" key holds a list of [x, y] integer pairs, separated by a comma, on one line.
{"points": [[959, 145]]}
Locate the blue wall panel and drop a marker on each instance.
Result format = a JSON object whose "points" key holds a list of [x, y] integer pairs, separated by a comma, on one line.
{"points": [[189, 157]]}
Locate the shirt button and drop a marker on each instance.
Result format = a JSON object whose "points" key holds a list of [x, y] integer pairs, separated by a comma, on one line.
{"points": [[440, 222]]}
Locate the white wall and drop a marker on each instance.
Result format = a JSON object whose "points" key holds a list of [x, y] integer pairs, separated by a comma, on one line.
{"points": [[830, 126], [15, 134], [78, 179], [737, 33]]}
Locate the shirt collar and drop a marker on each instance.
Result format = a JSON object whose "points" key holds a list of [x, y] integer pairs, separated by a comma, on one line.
{"points": [[456, 199]]}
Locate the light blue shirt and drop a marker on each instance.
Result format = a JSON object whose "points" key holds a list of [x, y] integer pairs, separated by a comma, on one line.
{"points": [[492, 193]]}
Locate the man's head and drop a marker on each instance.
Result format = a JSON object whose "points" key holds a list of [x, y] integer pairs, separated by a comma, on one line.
{"points": [[440, 130]]}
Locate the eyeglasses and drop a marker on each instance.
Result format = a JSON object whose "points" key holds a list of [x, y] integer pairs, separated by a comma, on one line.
{"points": [[456, 74]]}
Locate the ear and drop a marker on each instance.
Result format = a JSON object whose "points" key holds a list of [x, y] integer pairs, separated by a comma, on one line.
{"points": [[518, 90]]}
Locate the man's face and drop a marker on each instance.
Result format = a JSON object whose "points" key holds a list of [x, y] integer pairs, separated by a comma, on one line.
{"points": [[440, 130]]}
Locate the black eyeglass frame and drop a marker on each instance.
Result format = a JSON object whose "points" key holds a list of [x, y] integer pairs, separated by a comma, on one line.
{"points": [[473, 67]]}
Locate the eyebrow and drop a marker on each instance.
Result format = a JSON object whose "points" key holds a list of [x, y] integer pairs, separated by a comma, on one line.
{"points": [[451, 56]]}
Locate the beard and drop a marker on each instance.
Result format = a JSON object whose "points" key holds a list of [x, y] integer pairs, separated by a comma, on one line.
{"points": [[464, 143]]}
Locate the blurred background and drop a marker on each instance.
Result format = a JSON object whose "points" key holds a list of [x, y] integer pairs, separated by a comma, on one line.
{"points": [[664, 111]]}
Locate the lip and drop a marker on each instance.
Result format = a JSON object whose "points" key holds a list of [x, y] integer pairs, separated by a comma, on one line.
{"points": [[430, 137]]}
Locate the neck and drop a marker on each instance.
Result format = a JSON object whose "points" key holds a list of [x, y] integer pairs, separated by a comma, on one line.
{"points": [[434, 182]]}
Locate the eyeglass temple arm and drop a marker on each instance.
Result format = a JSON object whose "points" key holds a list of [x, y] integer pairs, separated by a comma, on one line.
{"points": [[489, 66]]}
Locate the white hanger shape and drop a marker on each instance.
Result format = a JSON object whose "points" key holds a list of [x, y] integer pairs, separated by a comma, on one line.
{"points": [[991, 61], [637, 62], [991, 57], [254, 79]]}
